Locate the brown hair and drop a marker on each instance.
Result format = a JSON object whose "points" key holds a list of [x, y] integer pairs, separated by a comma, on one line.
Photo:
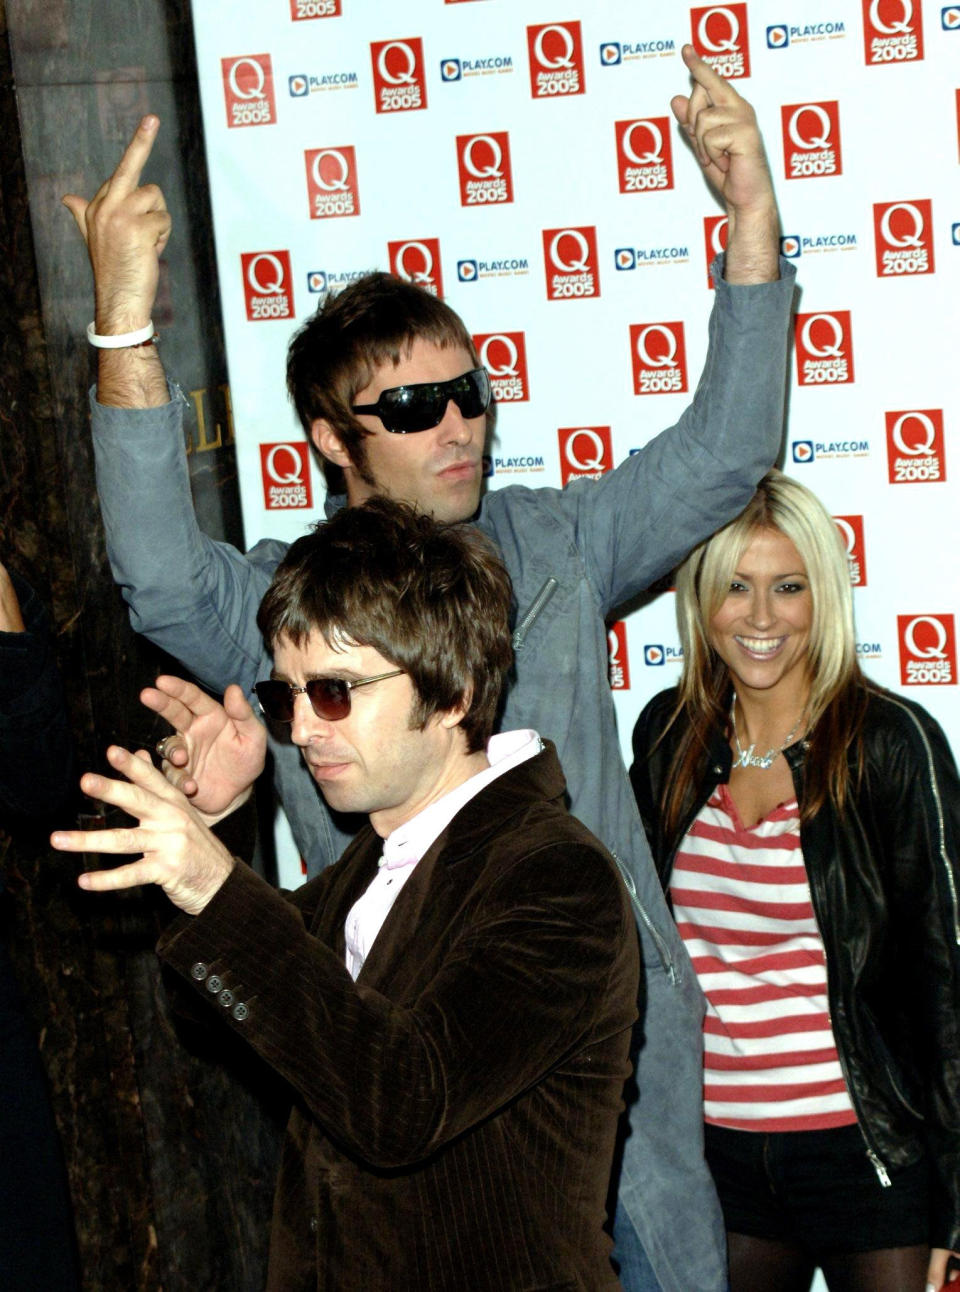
{"points": [[838, 690], [433, 598], [372, 322]]}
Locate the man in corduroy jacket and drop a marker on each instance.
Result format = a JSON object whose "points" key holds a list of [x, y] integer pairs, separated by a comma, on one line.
{"points": [[450, 1003]]}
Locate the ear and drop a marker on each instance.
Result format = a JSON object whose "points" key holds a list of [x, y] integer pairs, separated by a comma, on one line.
{"points": [[450, 718], [328, 442]]}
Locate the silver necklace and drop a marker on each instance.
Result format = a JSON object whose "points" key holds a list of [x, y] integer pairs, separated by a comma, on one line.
{"points": [[747, 757]]}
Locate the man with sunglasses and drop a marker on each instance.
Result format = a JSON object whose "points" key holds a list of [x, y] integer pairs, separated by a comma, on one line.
{"points": [[451, 1003], [369, 377]]}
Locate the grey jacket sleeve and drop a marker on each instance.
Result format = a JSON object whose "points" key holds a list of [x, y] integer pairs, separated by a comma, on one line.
{"points": [[637, 522], [194, 597]]}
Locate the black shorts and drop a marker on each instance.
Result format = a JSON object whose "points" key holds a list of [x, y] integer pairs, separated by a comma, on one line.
{"points": [[816, 1190]]}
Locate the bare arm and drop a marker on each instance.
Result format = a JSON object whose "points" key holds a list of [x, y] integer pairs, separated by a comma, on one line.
{"points": [[126, 227], [722, 130]]}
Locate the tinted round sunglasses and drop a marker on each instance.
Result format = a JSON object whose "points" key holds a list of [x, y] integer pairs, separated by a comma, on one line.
{"points": [[329, 696], [421, 406]]}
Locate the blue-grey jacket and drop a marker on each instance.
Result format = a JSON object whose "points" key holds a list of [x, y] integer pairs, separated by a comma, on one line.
{"points": [[573, 555]]}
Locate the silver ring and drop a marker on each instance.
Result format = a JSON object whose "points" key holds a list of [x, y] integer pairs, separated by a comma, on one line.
{"points": [[161, 746]]}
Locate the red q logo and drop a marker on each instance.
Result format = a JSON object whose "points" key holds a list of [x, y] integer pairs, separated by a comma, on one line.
{"points": [[248, 90], [892, 31], [811, 140], [715, 231], [928, 650], [555, 54], [659, 358], [915, 447], [419, 262], [719, 35], [570, 258], [398, 80], [286, 476], [503, 354], [332, 182], [584, 451], [903, 237], [484, 165], [824, 349], [851, 533], [267, 285], [644, 157], [618, 664]]}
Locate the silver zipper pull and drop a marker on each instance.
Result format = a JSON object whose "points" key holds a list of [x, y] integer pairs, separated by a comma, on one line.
{"points": [[880, 1169]]}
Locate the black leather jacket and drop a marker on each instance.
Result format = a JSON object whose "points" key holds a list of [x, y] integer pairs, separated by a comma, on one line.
{"points": [[885, 882]]}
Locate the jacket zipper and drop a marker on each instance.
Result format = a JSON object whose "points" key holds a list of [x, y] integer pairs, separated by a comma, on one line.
{"points": [[941, 831], [669, 964], [539, 601]]}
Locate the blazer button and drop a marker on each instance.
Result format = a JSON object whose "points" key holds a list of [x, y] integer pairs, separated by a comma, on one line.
{"points": [[199, 971], [214, 984], [239, 1011], [226, 998]]}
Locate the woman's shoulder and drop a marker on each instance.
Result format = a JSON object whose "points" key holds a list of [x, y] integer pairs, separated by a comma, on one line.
{"points": [[894, 724]]}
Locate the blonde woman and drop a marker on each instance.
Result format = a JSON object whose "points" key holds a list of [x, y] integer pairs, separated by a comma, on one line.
{"points": [[804, 823]]}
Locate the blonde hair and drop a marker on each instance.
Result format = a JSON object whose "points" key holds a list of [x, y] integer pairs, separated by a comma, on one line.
{"points": [[836, 683]]}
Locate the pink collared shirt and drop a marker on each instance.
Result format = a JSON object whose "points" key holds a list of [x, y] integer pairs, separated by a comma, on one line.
{"points": [[404, 847]]}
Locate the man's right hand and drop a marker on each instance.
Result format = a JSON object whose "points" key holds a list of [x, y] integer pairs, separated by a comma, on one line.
{"points": [[126, 227], [217, 751]]}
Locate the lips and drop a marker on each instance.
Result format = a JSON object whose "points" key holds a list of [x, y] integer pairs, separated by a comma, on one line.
{"points": [[462, 470], [762, 647]]}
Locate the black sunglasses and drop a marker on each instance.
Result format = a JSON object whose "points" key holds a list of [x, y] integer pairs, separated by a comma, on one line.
{"points": [[329, 696], [406, 409]]}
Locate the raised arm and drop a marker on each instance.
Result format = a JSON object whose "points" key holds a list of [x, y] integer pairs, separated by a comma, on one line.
{"points": [[126, 227], [722, 130]]}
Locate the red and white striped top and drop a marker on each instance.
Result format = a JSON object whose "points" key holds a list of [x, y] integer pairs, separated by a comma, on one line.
{"points": [[742, 904]]}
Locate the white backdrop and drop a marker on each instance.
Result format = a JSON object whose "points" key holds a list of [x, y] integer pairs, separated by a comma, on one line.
{"points": [[520, 158]]}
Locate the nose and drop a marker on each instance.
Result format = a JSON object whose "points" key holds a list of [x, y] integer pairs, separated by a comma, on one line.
{"points": [[761, 613], [454, 428], [306, 725]]}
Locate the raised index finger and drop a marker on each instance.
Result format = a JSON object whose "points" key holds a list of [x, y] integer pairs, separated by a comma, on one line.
{"points": [[126, 178], [177, 701], [717, 90]]}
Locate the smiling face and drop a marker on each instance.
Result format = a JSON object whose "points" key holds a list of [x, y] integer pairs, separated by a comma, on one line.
{"points": [[438, 470], [375, 760], [762, 628]]}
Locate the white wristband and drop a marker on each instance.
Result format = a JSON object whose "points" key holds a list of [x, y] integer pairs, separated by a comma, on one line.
{"points": [[122, 339]]}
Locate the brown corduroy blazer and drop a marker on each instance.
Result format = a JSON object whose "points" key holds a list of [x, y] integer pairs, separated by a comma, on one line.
{"points": [[455, 1107]]}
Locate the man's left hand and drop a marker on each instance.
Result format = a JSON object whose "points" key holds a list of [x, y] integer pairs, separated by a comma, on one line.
{"points": [[723, 133], [179, 851]]}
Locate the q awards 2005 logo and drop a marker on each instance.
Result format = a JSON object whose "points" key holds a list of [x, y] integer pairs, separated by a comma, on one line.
{"points": [[286, 476], [267, 285], [851, 532], [824, 347], [584, 451], [248, 90], [716, 229], [504, 355], [811, 139], [303, 9], [659, 358], [719, 35], [555, 53], [928, 650], [903, 234], [484, 165], [618, 663], [644, 155], [570, 261], [915, 446], [418, 261], [332, 182], [398, 76], [892, 31]]}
